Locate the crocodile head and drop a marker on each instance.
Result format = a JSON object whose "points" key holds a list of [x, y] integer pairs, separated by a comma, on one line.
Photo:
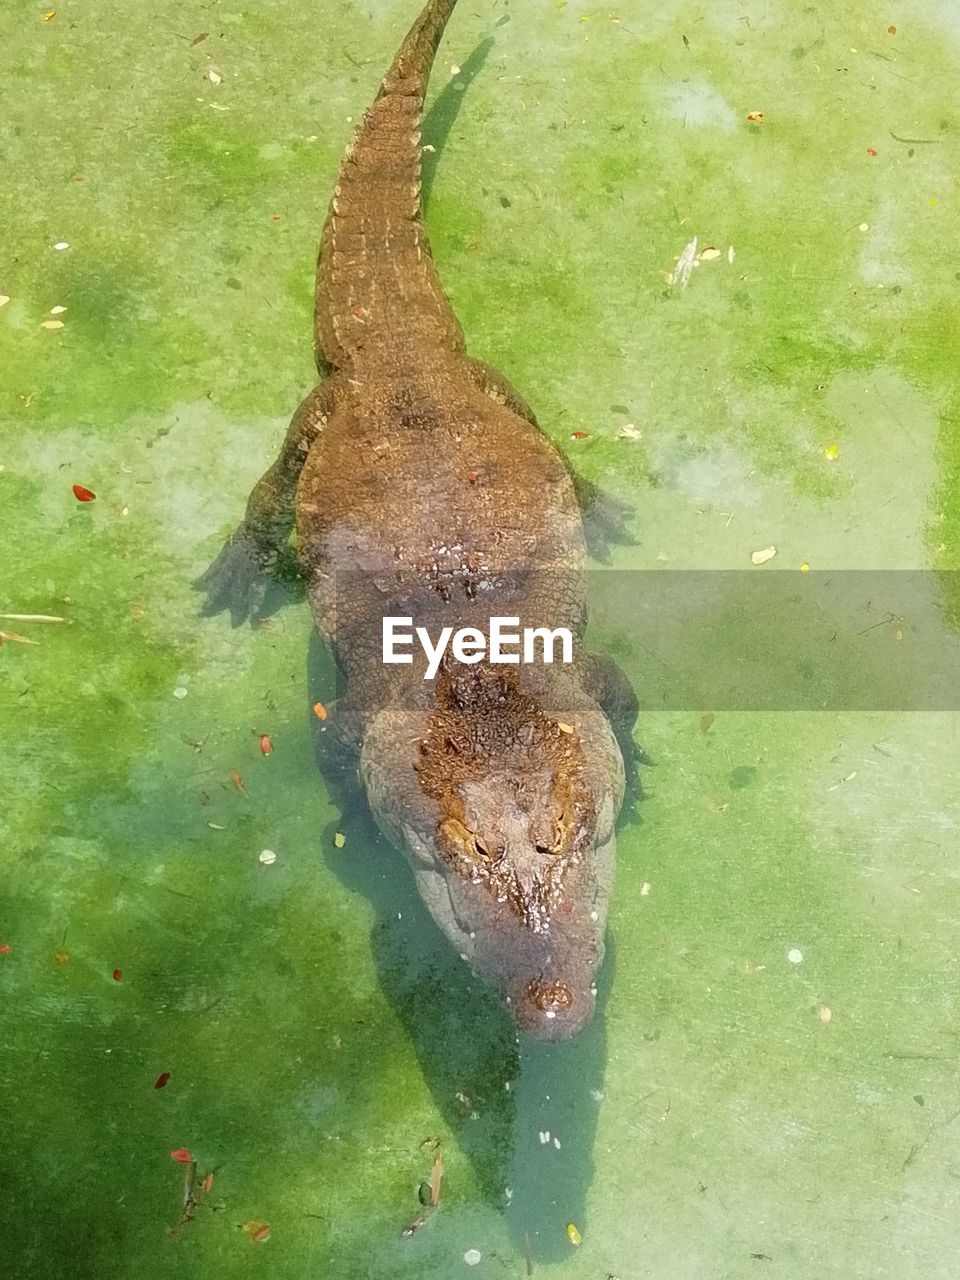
{"points": [[506, 814]]}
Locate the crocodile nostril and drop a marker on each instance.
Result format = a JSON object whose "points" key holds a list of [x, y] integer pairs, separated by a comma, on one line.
{"points": [[551, 997]]}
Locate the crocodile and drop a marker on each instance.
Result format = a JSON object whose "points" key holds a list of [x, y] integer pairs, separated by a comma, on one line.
{"points": [[420, 485]]}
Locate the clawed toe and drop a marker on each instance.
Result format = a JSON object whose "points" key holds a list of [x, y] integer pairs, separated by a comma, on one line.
{"points": [[236, 580]]}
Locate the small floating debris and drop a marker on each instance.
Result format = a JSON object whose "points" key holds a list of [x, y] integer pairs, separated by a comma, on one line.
{"points": [[238, 782], [181, 1155], [267, 858], [4, 299], [51, 324], [710, 253], [629, 432], [257, 1231], [795, 955], [762, 556], [57, 310], [83, 494], [33, 617], [573, 1235], [162, 1080], [831, 452], [755, 117], [61, 245], [320, 711], [825, 1013], [472, 1257], [681, 273], [117, 975], [339, 840], [266, 746]]}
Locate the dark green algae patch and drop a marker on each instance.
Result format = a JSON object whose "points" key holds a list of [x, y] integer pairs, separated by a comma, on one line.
{"points": [[313, 1038]]}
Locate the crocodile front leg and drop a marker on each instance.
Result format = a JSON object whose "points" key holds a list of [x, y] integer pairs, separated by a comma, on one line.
{"points": [[237, 580], [605, 680]]}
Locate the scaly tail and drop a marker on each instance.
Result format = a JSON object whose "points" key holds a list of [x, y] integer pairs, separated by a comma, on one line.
{"points": [[377, 287]]}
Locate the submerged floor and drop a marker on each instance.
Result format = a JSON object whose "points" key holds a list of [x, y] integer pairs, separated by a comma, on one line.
{"points": [[299, 1027]]}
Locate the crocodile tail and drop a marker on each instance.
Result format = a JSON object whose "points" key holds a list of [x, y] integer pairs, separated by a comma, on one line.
{"points": [[375, 276], [411, 67]]}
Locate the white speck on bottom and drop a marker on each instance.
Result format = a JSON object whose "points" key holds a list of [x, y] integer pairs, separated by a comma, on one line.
{"points": [[795, 955], [472, 1257], [180, 691]]}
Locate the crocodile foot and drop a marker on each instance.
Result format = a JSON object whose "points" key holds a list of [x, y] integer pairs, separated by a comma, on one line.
{"points": [[238, 579]]}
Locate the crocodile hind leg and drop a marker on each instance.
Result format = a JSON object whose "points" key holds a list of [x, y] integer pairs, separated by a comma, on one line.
{"points": [[604, 517], [238, 579]]}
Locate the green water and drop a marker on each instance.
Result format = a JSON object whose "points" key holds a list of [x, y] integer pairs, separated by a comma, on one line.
{"points": [[316, 1028]]}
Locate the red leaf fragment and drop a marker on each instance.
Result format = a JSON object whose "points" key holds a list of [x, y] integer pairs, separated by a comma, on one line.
{"points": [[579, 435], [200, 38], [262, 1234], [871, 151], [238, 782], [162, 1080], [206, 1186], [4, 949], [320, 711], [117, 975], [82, 494], [266, 746], [181, 1155]]}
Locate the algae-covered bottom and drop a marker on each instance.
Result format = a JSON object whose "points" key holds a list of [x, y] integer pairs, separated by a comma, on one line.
{"points": [[734, 1110]]}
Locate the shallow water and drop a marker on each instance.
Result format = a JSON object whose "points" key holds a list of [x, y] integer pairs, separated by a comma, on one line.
{"points": [[317, 1029]]}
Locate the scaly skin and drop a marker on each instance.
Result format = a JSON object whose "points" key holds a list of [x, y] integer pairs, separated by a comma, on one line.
{"points": [[421, 486]]}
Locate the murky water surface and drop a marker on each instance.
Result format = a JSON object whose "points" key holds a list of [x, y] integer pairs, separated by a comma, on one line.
{"points": [[771, 1085]]}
